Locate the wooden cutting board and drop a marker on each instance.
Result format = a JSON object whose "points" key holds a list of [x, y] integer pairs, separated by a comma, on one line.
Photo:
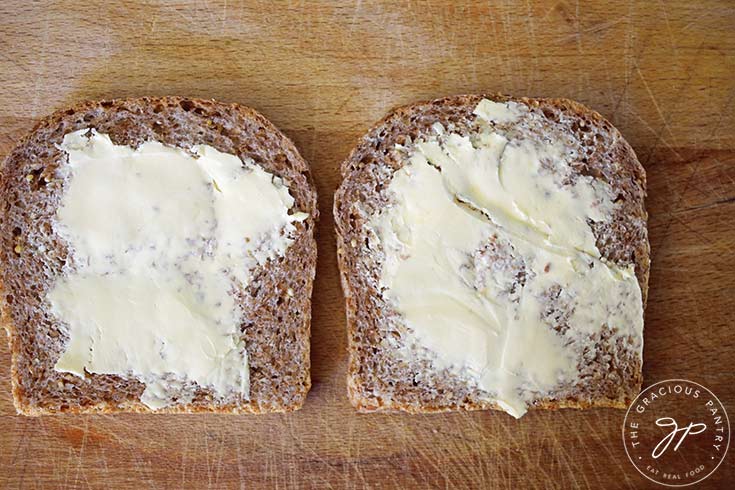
{"points": [[663, 72]]}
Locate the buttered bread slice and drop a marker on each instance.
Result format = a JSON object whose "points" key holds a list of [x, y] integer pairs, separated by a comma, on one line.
{"points": [[157, 255], [494, 254]]}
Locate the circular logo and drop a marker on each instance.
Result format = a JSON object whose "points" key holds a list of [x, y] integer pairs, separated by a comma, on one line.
{"points": [[676, 432]]}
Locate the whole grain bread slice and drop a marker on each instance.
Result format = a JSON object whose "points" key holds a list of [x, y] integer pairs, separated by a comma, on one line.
{"points": [[276, 303], [610, 375]]}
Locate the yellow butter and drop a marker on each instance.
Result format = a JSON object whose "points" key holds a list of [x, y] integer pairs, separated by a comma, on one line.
{"points": [[458, 193], [161, 238]]}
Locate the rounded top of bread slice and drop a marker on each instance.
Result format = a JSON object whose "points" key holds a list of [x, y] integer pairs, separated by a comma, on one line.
{"points": [[376, 379], [34, 256]]}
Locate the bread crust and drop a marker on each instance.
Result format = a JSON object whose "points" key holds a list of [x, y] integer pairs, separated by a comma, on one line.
{"points": [[277, 303], [375, 381]]}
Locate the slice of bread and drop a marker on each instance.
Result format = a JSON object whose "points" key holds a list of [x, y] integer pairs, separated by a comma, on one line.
{"points": [[391, 366], [274, 306]]}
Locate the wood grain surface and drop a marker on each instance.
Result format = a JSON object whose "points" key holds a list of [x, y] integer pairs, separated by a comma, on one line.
{"points": [[662, 71]]}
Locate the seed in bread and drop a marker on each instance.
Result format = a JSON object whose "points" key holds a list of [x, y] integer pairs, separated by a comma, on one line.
{"points": [[158, 238], [493, 254]]}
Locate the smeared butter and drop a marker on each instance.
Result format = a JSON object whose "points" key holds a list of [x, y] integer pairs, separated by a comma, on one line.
{"points": [[499, 112], [161, 238], [459, 195]]}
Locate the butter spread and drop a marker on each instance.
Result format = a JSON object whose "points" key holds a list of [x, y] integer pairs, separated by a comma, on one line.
{"points": [[499, 112], [161, 238], [483, 234]]}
